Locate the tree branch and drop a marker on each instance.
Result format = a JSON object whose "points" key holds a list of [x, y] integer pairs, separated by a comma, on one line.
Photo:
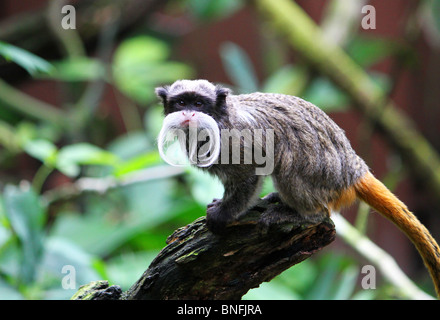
{"points": [[29, 106], [197, 264]]}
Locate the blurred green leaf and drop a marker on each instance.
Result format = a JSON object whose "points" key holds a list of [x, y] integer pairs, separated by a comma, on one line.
{"points": [[381, 80], [5, 232], [28, 61], [346, 285], [140, 64], [27, 217], [136, 262], [26, 131], [92, 232], [271, 291], [366, 294], [324, 284], [5, 235], [106, 228], [435, 11], [139, 81], [72, 156], [368, 50], [8, 137], [301, 277], [136, 152], [239, 68], [153, 121], [130, 145], [43, 150], [208, 10], [337, 278], [60, 252], [326, 95], [7, 292], [77, 69], [287, 80], [139, 50], [139, 162]]}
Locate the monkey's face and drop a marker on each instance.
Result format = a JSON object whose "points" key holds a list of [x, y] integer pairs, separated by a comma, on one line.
{"points": [[191, 101], [193, 110], [195, 95]]}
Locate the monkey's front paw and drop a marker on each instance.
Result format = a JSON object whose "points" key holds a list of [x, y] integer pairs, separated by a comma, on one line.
{"points": [[217, 219]]}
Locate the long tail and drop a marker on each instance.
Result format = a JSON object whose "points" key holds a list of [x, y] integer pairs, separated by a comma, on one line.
{"points": [[374, 193]]}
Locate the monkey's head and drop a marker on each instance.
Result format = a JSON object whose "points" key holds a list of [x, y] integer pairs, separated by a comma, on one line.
{"points": [[198, 105], [194, 95]]}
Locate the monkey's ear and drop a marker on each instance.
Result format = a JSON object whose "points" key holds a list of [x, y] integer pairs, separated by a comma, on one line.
{"points": [[162, 92], [221, 93]]}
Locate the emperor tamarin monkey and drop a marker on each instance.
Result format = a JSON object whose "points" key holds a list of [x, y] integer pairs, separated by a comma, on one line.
{"points": [[315, 169]]}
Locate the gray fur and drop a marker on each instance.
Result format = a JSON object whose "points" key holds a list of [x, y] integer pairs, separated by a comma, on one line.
{"points": [[314, 160], [202, 87]]}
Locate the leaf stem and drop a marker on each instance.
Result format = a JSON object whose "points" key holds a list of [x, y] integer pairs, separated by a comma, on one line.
{"points": [[29, 106], [40, 177]]}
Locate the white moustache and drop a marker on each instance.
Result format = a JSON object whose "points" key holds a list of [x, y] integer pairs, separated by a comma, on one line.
{"points": [[196, 127]]}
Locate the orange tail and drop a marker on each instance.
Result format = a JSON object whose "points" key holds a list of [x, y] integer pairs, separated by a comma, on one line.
{"points": [[374, 193]]}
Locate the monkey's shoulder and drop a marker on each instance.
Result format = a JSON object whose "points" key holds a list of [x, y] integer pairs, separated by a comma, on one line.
{"points": [[279, 106], [265, 98], [275, 101]]}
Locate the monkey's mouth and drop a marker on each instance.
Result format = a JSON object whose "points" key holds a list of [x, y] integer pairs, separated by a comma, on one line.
{"points": [[189, 123]]}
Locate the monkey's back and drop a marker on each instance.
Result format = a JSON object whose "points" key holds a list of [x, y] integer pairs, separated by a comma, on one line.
{"points": [[313, 159]]}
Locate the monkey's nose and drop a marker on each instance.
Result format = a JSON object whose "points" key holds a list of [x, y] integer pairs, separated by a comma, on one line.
{"points": [[187, 117], [188, 114]]}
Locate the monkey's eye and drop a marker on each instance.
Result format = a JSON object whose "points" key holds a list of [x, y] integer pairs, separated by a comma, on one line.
{"points": [[199, 104], [182, 103]]}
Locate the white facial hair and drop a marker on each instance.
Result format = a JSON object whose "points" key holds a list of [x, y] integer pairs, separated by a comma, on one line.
{"points": [[204, 126]]}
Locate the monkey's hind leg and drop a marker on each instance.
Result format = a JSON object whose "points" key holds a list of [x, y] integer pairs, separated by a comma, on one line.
{"points": [[288, 205], [281, 213]]}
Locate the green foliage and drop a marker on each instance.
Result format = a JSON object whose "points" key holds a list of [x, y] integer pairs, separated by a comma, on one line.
{"points": [[327, 277], [209, 10], [69, 158], [77, 69], [288, 79], [239, 67], [434, 9], [367, 50], [28, 61], [26, 217], [140, 64], [325, 94]]}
